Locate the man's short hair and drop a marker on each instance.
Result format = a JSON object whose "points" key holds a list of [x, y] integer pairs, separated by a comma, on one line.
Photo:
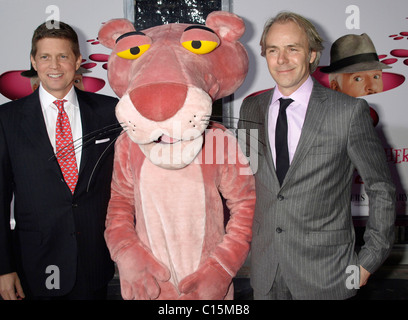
{"points": [[59, 30]]}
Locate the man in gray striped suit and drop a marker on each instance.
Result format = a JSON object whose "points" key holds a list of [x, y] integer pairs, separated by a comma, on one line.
{"points": [[303, 234]]}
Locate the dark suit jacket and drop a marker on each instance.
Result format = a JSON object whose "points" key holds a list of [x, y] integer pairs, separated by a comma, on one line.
{"points": [[305, 226], [54, 227]]}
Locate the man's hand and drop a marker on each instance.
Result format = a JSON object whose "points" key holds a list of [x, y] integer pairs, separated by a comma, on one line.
{"points": [[364, 275], [10, 287]]}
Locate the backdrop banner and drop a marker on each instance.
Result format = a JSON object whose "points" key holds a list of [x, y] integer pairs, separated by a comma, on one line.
{"points": [[385, 24]]}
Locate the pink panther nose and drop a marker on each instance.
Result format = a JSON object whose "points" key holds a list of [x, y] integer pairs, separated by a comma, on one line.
{"points": [[160, 101]]}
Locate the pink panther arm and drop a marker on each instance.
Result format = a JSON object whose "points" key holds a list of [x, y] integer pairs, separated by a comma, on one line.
{"points": [[139, 271], [214, 276]]}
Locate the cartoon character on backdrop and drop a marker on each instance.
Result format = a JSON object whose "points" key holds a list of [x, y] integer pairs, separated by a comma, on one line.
{"points": [[165, 222]]}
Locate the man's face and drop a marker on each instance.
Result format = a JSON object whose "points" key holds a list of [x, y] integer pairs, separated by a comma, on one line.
{"points": [[55, 63], [287, 55], [361, 83]]}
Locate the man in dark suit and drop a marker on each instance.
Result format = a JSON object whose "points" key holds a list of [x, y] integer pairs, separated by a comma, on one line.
{"points": [[57, 248], [303, 234]]}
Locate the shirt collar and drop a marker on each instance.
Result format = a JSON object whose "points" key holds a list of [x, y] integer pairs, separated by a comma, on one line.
{"points": [[301, 95], [48, 99]]}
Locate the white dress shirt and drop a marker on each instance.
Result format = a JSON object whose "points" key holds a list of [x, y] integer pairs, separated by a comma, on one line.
{"points": [[296, 113], [50, 112]]}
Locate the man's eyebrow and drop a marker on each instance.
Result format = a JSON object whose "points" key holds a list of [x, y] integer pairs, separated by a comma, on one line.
{"points": [[270, 46], [128, 34], [199, 27], [294, 45], [291, 45]]}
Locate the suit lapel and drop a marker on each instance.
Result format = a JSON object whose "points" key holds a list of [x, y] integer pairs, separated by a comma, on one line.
{"points": [[315, 114], [33, 125], [264, 112], [89, 121]]}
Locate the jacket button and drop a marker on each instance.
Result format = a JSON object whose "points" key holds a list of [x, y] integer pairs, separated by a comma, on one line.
{"points": [[280, 197], [279, 230]]}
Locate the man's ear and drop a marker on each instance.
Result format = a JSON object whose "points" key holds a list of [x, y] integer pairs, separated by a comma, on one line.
{"points": [[334, 85], [33, 62], [313, 56], [78, 62]]}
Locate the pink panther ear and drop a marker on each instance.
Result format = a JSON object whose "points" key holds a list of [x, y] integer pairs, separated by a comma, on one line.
{"points": [[112, 30], [227, 25]]}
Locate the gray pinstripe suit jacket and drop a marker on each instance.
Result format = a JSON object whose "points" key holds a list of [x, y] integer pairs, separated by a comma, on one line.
{"points": [[305, 225]]}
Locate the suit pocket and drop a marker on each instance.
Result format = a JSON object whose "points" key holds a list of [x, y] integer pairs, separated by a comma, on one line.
{"points": [[328, 238]]}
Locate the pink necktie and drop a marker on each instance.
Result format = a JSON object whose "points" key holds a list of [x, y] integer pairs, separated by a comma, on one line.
{"points": [[65, 147]]}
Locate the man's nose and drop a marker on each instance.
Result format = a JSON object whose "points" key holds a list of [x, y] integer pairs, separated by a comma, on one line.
{"points": [[282, 57], [54, 63], [373, 85]]}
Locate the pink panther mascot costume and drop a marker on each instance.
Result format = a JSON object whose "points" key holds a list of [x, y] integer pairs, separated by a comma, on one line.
{"points": [[165, 226]]}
